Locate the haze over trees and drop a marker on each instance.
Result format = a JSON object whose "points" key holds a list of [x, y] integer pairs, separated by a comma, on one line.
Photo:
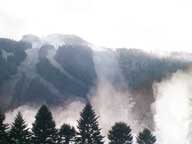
{"points": [[87, 131]]}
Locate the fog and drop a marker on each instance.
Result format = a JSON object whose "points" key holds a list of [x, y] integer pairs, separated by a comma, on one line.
{"points": [[172, 108]]}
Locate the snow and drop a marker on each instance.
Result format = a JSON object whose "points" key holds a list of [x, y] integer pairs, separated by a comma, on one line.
{"points": [[6, 54]]}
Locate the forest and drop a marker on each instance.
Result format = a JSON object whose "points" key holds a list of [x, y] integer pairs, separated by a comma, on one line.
{"points": [[87, 131]]}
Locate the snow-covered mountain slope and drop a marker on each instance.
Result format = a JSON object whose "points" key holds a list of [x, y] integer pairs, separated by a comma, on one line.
{"points": [[58, 67]]}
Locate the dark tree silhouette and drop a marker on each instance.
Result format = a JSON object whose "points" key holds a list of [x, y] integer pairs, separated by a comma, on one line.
{"points": [[120, 134], [3, 129], [66, 134], [88, 127], [44, 131], [146, 137], [19, 133]]}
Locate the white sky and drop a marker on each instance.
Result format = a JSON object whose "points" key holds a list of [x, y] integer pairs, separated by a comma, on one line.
{"points": [[148, 24]]}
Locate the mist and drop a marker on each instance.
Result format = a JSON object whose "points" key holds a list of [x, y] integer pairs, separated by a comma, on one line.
{"points": [[172, 108]]}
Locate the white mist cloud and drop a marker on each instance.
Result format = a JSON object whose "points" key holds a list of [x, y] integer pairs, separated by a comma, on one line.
{"points": [[113, 105], [28, 113], [112, 100], [172, 109], [67, 114]]}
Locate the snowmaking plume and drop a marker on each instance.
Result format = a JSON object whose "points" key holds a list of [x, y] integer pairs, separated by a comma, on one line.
{"points": [[172, 108]]}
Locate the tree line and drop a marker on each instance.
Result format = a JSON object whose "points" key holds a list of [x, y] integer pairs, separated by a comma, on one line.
{"points": [[44, 130]]}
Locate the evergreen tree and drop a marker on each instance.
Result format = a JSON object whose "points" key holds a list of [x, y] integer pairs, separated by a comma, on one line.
{"points": [[3, 130], [88, 127], [44, 131], [19, 133], [120, 134], [66, 134], [146, 137]]}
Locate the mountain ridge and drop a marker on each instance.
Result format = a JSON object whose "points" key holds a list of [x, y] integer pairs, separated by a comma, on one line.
{"points": [[37, 72]]}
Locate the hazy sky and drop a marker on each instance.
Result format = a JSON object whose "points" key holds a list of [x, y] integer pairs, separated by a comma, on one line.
{"points": [[148, 24]]}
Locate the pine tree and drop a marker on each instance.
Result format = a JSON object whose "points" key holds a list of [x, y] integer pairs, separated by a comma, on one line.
{"points": [[44, 131], [146, 137], [88, 127], [120, 134], [3, 130], [19, 133], [66, 134]]}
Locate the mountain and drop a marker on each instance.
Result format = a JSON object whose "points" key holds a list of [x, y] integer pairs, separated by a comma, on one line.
{"points": [[12, 54], [58, 68]]}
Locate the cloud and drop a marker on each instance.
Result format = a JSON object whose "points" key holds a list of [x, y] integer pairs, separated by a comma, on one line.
{"points": [[172, 109]]}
